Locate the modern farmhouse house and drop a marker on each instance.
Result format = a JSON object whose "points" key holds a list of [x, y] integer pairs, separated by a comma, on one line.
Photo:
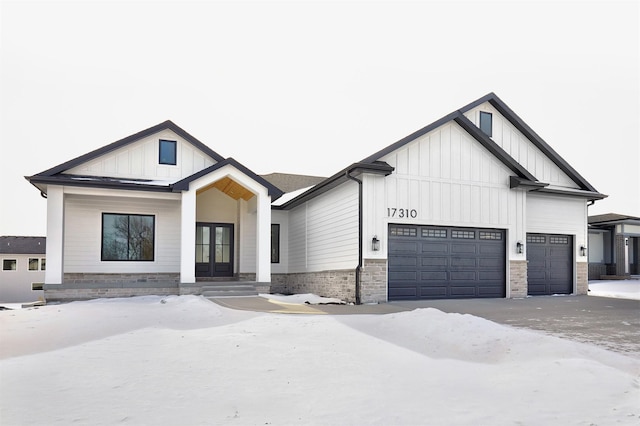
{"points": [[475, 204], [23, 268]]}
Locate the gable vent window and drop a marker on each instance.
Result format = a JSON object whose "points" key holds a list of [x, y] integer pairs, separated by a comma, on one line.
{"points": [[485, 123], [168, 151]]}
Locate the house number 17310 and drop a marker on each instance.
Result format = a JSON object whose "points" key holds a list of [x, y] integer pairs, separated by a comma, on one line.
{"points": [[394, 212]]}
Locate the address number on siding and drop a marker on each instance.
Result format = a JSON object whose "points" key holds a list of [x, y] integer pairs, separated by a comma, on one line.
{"points": [[401, 213]]}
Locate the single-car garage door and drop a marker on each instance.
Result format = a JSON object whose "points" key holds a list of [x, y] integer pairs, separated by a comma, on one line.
{"points": [[429, 262], [550, 267]]}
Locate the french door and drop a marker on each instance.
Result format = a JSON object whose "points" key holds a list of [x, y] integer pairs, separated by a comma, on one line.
{"points": [[214, 249]]}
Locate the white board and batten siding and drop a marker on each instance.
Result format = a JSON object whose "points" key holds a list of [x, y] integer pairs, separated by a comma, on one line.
{"points": [[139, 160], [521, 148], [446, 178], [323, 232], [547, 214], [83, 234]]}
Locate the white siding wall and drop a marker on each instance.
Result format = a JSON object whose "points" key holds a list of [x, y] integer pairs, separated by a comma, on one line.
{"points": [[83, 229], [520, 148], [139, 160], [557, 215], [247, 235], [323, 233], [444, 178]]}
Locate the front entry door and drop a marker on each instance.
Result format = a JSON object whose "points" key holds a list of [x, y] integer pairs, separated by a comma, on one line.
{"points": [[214, 250]]}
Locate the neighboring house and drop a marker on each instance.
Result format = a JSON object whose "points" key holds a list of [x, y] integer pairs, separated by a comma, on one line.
{"points": [[475, 204], [23, 269], [614, 246]]}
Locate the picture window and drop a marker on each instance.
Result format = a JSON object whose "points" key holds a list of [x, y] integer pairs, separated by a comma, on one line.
{"points": [[127, 237], [275, 243]]}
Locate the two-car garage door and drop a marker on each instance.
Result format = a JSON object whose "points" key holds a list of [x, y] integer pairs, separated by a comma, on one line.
{"points": [[429, 262]]}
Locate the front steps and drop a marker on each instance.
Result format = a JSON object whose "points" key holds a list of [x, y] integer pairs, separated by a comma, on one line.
{"points": [[213, 290]]}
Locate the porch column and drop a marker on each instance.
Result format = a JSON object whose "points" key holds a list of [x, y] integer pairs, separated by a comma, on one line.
{"points": [[263, 237], [54, 273], [188, 237]]}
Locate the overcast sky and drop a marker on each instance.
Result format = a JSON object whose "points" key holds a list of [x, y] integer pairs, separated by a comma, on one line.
{"points": [[311, 87]]}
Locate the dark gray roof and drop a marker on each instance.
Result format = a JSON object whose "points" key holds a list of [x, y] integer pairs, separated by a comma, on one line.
{"points": [[23, 245], [290, 182], [611, 217]]}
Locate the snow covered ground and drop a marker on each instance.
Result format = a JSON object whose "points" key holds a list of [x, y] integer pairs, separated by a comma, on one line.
{"points": [[623, 289], [187, 361]]}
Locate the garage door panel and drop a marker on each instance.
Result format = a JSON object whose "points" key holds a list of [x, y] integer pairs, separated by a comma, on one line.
{"points": [[451, 263], [433, 276], [463, 262], [463, 249], [431, 247], [405, 261], [441, 262]]}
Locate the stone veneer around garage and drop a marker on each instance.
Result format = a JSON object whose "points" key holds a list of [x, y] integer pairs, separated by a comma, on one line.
{"points": [[339, 284]]}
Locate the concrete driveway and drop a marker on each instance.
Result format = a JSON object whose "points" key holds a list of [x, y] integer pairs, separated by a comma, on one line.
{"points": [[608, 322]]}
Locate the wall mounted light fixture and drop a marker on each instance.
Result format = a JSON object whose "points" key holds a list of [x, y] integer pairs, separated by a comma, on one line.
{"points": [[583, 250], [519, 247], [375, 243]]}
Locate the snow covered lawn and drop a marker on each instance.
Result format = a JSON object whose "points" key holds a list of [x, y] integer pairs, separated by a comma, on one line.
{"points": [[187, 361], [623, 289]]}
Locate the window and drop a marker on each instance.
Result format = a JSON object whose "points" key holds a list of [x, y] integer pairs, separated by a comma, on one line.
{"points": [[490, 235], [402, 231], [275, 243], [558, 239], [33, 264], [536, 239], [43, 264], [485, 123], [434, 233], [9, 264], [466, 235], [168, 150], [127, 237], [37, 286]]}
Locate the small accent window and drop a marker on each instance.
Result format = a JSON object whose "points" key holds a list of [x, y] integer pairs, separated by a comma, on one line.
{"points": [[486, 124], [43, 264], [33, 264], [275, 243], [434, 233], [402, 231], [9, 264], [37, 286], [168, 152], [128, 237]]}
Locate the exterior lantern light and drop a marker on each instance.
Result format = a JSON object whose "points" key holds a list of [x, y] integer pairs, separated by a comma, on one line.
{"points": [[375, 243], [583, 250], [519, 247]]}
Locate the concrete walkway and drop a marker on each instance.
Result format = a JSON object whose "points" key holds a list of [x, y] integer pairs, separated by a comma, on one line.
{"points": [[608, 322]]}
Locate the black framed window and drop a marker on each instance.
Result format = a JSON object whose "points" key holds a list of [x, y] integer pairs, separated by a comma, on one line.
{"points": [[9, 264], [275, 243], [34, 263], [127, 237], [168, 152], [486, 124]]}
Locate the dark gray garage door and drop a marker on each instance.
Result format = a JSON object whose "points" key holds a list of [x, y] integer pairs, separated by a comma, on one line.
{"points": [[550, 267], [428, 262]]}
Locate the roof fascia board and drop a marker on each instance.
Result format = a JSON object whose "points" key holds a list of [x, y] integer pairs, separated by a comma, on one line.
{"points": [[591, 195], [375, 167], [183, 185], [64, 180], [493, 147], [130, 139], [530, 134]]}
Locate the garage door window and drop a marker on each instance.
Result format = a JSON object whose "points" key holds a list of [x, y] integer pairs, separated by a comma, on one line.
{"points": [[536, 239], [434, 233], [559, 240], [403, 231], [488, 235], [467, 235]]}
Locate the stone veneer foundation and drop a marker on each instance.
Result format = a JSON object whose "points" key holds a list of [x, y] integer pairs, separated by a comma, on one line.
{"points": [[340, 284], [373, 281], [582, 278], [518, 279]]}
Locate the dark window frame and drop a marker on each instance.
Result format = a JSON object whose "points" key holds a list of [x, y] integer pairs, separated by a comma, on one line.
{"points": [[8, 261], [128, 258], [174, 153], [275, 249], [30, 264], [483, 123]]}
